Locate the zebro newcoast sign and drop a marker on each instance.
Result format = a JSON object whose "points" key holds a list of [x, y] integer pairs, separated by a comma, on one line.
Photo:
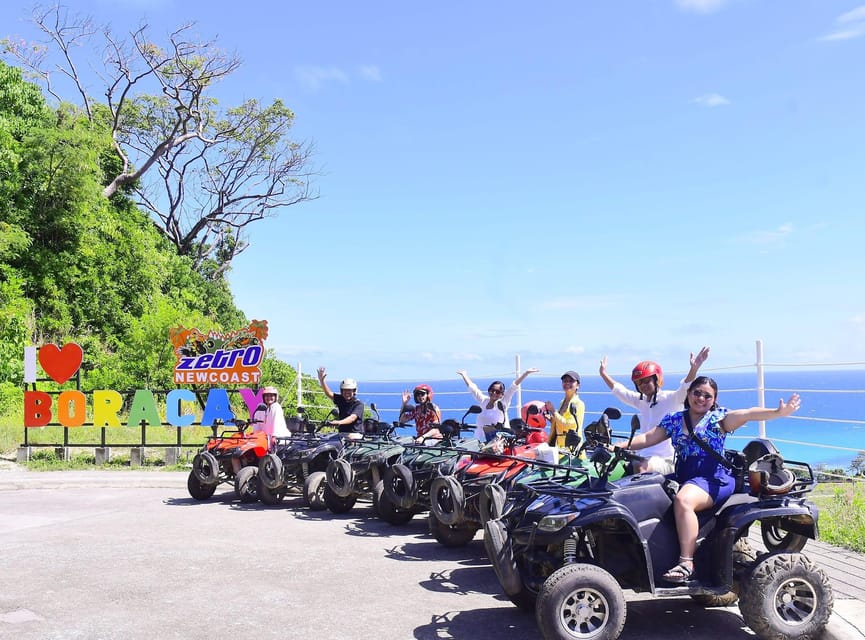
{"points": [[238, 366], [71, 408]]}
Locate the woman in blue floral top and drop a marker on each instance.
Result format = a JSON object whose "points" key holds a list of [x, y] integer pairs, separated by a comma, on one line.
{"points": [[703, 480]]}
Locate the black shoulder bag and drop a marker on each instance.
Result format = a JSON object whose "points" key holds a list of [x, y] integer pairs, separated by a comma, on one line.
{"points": [[736, 468]]}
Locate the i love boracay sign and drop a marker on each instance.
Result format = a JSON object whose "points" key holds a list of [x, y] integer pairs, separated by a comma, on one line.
{"points": [[210, 358]]}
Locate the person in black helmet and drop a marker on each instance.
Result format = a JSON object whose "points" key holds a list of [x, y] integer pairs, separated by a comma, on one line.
{"points": [[350, 417]]}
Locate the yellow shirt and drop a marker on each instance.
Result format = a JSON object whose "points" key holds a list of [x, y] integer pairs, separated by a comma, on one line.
{"points": [[563, 421]]}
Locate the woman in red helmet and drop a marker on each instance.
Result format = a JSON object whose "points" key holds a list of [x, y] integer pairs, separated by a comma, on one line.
{"points": [[426, 415], [653, 404]]}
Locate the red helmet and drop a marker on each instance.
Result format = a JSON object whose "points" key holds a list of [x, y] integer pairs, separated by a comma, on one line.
{"points": [[533, 414], [645, 369], [424, 387]]}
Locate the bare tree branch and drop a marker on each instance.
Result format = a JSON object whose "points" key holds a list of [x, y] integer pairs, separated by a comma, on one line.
{"points": [[202, 172]]}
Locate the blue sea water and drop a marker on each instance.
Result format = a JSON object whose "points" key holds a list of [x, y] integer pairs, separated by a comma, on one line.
{"points": [[828, 430]]}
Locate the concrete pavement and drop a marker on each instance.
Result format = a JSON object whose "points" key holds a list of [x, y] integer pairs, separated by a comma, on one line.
{"points": [[111, 554]]}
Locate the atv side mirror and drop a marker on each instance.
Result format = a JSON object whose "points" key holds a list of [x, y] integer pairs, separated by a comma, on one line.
{"points": [[301, 410], [635, 424], [612, 413], [474, 409], [572, 439], [603, 429]]}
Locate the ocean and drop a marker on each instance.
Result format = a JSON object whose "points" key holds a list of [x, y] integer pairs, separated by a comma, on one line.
{"points": [[828, 430]]}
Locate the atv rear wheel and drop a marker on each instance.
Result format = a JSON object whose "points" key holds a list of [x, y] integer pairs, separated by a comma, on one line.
{"points": [[787, 596], [313, 490], [581, 601], [340, 477], [447, 500], [451, 535], [744, 557], [337, 504], [270, 471], [776, 539], [246, 484], [386, 509], [399, 486], [205, 467], [268, 496], [197, 489]]}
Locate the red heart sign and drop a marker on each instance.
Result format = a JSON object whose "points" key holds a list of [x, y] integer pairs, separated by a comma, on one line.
{"points": [[60, 364]]}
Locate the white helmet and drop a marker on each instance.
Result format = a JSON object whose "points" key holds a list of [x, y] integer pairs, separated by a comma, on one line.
{"points": [[348, 383], [271, 391]]}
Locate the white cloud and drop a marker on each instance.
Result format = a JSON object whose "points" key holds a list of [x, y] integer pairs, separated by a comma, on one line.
{"points": [[701, 6], [853, 16], [854, 25], [315, 78], [582, 303], [575, 350], [765, 237], [711, 100], [370, 72]]}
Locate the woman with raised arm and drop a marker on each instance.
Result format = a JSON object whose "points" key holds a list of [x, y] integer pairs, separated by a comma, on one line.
{"points": [[494, 404], [703, 480]]}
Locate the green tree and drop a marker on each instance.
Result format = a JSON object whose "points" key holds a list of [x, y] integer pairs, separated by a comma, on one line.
{"points": [[857, 466], [203, 172]]}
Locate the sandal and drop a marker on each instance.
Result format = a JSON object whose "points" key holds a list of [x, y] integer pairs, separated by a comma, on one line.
{"points": [[682, 572]]}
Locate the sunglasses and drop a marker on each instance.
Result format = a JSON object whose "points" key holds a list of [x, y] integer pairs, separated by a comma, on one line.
{"points": [[702, 394], [419, 393]]}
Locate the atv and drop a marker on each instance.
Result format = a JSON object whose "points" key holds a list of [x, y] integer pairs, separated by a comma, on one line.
{"points": [[232, 456], [296, 459], [573, 550], [477, 490], [405, 485], [357, 471]]}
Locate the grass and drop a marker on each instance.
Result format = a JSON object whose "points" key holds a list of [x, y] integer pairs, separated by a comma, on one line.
{"points": [[842, 514]]}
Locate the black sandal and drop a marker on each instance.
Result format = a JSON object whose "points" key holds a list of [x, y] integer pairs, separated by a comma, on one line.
{"points": [[681, 573]]}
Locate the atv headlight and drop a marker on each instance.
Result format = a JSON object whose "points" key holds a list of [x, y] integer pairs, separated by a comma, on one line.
{"points": [[551, 524]]}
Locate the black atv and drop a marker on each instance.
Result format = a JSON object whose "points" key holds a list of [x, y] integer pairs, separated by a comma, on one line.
{"points": [[572, 550], [296, 459], [405, 486], [357, 471]]}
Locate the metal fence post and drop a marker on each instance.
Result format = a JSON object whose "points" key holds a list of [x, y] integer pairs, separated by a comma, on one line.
{"points": [[761, 387]]}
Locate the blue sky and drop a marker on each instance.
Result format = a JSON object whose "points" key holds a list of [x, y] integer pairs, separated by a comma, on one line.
{"points": [[560, 180]]}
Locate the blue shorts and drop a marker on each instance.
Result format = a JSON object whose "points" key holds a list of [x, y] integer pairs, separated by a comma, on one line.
{"points": [[712, 477]]}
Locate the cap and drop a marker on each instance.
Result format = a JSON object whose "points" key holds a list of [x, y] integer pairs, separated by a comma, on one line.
{"points": [[572, 374]]}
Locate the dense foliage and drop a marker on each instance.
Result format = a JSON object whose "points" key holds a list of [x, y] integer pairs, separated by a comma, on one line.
{"points": [[78, 267]]}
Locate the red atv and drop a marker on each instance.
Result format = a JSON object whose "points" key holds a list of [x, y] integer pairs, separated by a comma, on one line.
{"points": [[232, 456], [460, 502]]}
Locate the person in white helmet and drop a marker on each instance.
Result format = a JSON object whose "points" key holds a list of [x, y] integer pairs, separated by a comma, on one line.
{"points": [[271, 415], [350, 417]]}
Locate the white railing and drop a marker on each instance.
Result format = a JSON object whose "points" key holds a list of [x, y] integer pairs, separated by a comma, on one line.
{"points": [[831, 421]]}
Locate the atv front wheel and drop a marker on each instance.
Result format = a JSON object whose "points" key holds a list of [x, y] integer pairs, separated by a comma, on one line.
{"points": [[386, 509], [338, 504], [268, 496], [450, 535], [340, 477], [581, 601], [270, 471], [197, 489], [246, 484], [787, 596], [491, 502], [313, 490], [447, 500], [776, 539], [205, 467], [501, 554], [399, 486]]}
